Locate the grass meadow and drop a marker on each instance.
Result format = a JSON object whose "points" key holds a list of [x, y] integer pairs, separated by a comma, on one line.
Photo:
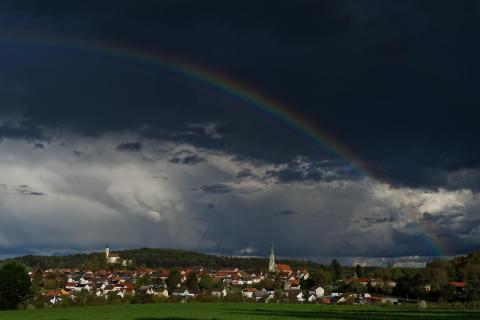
{"points": [[226, 311]]}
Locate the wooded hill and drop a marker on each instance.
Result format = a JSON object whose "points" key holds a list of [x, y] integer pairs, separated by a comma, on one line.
{"points": [[155, 258]]}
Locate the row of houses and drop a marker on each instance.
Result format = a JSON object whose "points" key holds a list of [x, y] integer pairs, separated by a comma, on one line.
{"points": [[105, 283]]}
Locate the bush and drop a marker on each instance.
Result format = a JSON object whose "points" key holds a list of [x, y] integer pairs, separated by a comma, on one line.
{"points": [[457, 305], [473, 305], [142, 298]]}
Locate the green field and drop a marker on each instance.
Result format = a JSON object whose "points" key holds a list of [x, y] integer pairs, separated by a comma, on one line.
{"points": [[226, 311]]}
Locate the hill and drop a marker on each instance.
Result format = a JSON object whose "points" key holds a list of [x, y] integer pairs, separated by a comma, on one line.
{"points": [[155, 258]]}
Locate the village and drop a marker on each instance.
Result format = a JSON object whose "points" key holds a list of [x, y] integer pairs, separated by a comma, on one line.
{"points": [[279, 284]]}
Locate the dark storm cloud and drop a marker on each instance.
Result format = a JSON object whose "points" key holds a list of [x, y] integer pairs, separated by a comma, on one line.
{"points": [[402, 74], [396, 82], [285, 212], [35, 193], [245, 174], [440, 219], [24, 130], [377, 220], [306, 170], [130, 146], [27, 191], [186, 157], [218, 188]]}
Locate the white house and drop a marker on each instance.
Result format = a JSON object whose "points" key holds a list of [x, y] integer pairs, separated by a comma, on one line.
{"points": [[248, 292], [317, 291], [185, 294], [79, 287], [162, 293], [147, 289], [219, 294], [312, 299], [300, 297], [292, 285]]}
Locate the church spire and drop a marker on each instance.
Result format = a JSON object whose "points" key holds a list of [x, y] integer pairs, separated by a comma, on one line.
{"points": [[107, 252], [272, 267]]}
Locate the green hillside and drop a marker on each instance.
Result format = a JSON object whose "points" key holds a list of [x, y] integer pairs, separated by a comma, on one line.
{"points": [[154, 258]]}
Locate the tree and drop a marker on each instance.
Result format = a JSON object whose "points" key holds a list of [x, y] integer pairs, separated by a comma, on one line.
{"points": [[473, 283], [359, 271], [192, 281], [173, 280], [206, 282], [14, 285], [144, 280], [336, 269], [323, 278], [437, 274]]}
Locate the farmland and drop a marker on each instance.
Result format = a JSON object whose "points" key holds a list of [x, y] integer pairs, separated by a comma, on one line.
{"points": [[226, 311]]}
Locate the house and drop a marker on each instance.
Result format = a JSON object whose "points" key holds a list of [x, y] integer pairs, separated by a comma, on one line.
{"points": [[248, 292], [457, 285], [54, 296], [304, 276], [393, 301], [219, 294], [293, 284], [363, 281], [79, 287], [312, 299], [342, 300], [108, 288], [163, 292], [317, 291], [185, 293], [300, 297], [146, 289], [284, 268], [113, 258], [264, 293], [70, 285]]}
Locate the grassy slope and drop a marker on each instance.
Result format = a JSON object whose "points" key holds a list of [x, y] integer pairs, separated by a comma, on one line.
{"points": [[226, 311]]}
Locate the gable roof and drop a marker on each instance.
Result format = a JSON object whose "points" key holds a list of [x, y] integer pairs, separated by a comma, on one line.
{"points": [[284, 267], [457, 284]]}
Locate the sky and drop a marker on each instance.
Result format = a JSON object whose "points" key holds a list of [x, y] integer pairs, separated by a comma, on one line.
{"points": [[331, 128]]}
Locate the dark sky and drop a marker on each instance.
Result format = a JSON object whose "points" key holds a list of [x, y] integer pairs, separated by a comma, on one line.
{"points": [[156, 158]]}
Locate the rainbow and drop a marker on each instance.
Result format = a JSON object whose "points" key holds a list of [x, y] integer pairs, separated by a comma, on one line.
{"points": [[226, 85]]}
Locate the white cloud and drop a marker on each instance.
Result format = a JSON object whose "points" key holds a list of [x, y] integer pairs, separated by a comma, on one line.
{"points": [[102, 195]]}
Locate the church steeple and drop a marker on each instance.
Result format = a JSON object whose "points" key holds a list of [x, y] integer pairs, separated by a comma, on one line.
{"points": [[107, 252], [272, 267]]}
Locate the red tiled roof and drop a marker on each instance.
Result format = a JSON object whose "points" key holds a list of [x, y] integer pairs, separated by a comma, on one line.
{"points": [[457, 284], [53, 293], [284, 267], [294, 282], [360, 280], [129, 286]]}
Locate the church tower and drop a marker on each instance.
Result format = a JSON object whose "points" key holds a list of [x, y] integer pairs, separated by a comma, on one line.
{"points": [[107, 252], [272, 267]]}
